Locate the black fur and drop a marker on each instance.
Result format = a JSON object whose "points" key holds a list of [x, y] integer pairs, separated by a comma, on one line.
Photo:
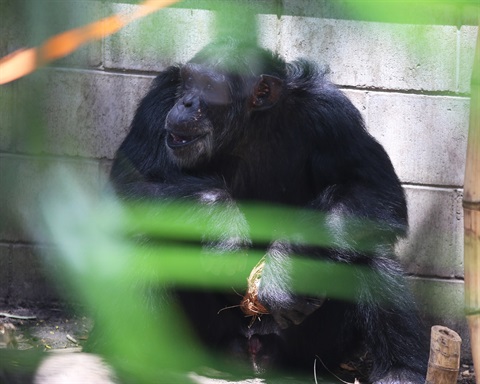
{"points": [[288, 138]]}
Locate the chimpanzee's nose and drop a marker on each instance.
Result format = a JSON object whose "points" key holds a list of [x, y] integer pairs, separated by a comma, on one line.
{"points": [[188, 102]]}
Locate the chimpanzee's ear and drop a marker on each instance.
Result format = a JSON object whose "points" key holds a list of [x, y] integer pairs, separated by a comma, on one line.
{"points": [[266, 92]]}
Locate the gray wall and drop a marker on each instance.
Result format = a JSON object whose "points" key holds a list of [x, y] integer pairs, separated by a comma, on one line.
{"points": [[410, 82]]}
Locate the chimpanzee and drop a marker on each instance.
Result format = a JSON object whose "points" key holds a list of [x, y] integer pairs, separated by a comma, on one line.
{"points": [[238, 124]]}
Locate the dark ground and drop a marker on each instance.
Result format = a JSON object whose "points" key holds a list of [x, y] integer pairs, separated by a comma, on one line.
{"points": [[57, 330]]}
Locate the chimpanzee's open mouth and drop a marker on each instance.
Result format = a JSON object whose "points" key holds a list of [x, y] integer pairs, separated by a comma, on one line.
{"points": [[175, 140]]}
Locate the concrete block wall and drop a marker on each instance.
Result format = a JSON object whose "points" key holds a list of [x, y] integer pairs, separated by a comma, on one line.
{"points": [[410, 82]]}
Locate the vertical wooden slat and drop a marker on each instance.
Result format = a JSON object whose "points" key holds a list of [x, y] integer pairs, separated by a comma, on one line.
{"points": [[471, 205], [444, 361]]}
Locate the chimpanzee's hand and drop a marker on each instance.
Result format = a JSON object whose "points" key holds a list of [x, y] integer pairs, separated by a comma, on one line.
{"points": [[275, 292]]}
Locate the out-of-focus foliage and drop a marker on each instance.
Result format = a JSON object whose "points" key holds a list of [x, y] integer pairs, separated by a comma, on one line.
{"points": [[99, 252]]}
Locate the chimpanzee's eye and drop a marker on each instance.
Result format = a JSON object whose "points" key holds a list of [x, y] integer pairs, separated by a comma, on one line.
{"points": [[188, 82]]}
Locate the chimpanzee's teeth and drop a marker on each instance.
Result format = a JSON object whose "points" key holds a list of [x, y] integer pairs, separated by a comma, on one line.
{"points": [[174, 140]]}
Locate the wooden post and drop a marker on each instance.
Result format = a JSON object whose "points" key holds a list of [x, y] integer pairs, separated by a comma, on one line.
{"points": [[444, 361], [471, 207]]}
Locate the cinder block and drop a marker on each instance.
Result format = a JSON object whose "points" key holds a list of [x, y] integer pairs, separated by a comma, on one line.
{"points": [[468, 39], [12, 28], [425, 136], [24, 181], [359, 100], [434, 246], [319, 8], [441, 302], [57, 17], [86, 113], [31, 25], [161, 39], [268, 27], [376, 55], [5, 272], [105, 167], [31, 281], [7, 108], [22, 113]]}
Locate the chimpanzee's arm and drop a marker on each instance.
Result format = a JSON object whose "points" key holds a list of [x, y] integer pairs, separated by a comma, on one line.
{"points": [[359, 197]]}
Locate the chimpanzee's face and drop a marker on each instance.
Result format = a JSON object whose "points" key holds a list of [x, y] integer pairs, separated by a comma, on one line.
{"points": [[199, 117]]}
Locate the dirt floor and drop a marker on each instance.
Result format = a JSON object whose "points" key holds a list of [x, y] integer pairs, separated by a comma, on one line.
{"points": [[43, 329], [56, 330]]}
